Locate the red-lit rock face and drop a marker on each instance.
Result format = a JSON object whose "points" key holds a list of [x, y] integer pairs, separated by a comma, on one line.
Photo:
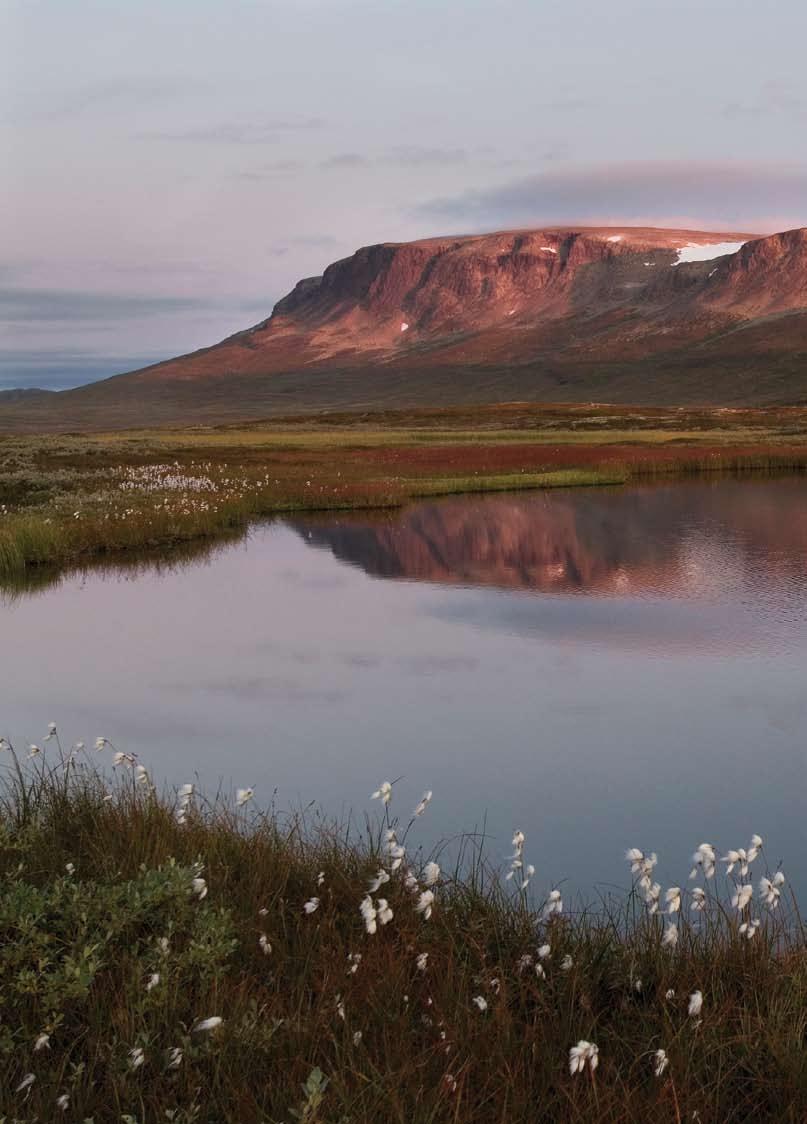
{"points": [[612, 315], [517, 297]]}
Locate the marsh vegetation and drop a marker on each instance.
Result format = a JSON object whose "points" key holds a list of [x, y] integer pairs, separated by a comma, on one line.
{"points": [[65, 498], [169, 957]]}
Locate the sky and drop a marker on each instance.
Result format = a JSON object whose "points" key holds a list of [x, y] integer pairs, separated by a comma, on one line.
{"points": [[172, 167]]}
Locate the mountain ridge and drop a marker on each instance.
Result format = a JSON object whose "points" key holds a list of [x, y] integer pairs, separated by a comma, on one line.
{"points": [[610, 314]]}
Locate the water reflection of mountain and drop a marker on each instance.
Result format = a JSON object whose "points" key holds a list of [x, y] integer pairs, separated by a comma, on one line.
{"points": [[681, 538]]}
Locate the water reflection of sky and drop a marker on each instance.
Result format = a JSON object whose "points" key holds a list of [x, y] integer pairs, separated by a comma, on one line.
{"points": [[650, 694]]}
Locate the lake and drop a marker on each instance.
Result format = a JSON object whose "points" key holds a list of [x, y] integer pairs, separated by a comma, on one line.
{"points": [[602, 668]]}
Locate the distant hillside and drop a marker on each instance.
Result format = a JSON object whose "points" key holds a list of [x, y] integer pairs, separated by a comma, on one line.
{"points": [[623, 315]]}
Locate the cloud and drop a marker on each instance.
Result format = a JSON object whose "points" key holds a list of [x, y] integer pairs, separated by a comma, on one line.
{"points": [[415, 155], [35, 305], [237, 132], [345, 160], [36, 105], [269, 171], [411, 156], [315, 240], [774, 98], [718, 194]]}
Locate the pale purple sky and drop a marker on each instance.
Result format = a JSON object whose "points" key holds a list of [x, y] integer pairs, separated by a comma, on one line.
{"points": [[171, 167]]}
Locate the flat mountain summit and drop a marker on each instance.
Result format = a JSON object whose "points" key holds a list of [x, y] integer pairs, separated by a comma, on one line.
{"points": [[607, 314]]}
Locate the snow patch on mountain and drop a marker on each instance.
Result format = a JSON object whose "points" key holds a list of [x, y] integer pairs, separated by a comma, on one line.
{"points": [[696, 251]]}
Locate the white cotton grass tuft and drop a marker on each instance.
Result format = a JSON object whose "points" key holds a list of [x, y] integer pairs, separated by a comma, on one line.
{"points": [[695, 1004], [567, 963], [369, 914], [174, 1056], [652, 894], [670, 938], [660, 1062], [311, 906], [584, 1053], [379, 880], [742, 896], [63, 1101], [480, 1002], [705, 859], [748, 929], [411, 883], [672, 899], [422, 961], [264, 944], [199, 887], [208, 1024], [153, 981], [698, 899], [396, 852], [383, 911], [243, 796], [431, 874], [554, 904], [184, 799], [641, 864], [383, 793], [137, 1057], [424, 904], [770, 889], [741, 858], [42, 1042], [425, 800], [517, 861], [26, 1083]]}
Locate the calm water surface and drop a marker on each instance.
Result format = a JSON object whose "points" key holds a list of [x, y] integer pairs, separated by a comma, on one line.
{"points": [[601, 668]]}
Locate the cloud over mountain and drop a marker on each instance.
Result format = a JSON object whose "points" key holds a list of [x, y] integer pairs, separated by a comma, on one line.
{"points": [[663, 192]]}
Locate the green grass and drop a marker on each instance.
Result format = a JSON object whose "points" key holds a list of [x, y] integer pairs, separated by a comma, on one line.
{"points": [[97, 897], [514, 482]]}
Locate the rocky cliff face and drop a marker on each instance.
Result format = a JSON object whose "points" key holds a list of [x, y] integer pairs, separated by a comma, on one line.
{"points": [[766, 276], [391, 298], [618, 315], [520, 297]]}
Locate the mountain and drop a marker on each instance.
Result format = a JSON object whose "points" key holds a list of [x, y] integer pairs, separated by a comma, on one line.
{"points": [[624, 315]]}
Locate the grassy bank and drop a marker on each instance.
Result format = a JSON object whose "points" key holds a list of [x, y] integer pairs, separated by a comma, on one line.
{"points": [[130, 920], [64, 499]]}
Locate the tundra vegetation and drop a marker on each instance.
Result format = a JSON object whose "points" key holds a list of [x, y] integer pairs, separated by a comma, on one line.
{"points": [[67, 498], [165, 957]]}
